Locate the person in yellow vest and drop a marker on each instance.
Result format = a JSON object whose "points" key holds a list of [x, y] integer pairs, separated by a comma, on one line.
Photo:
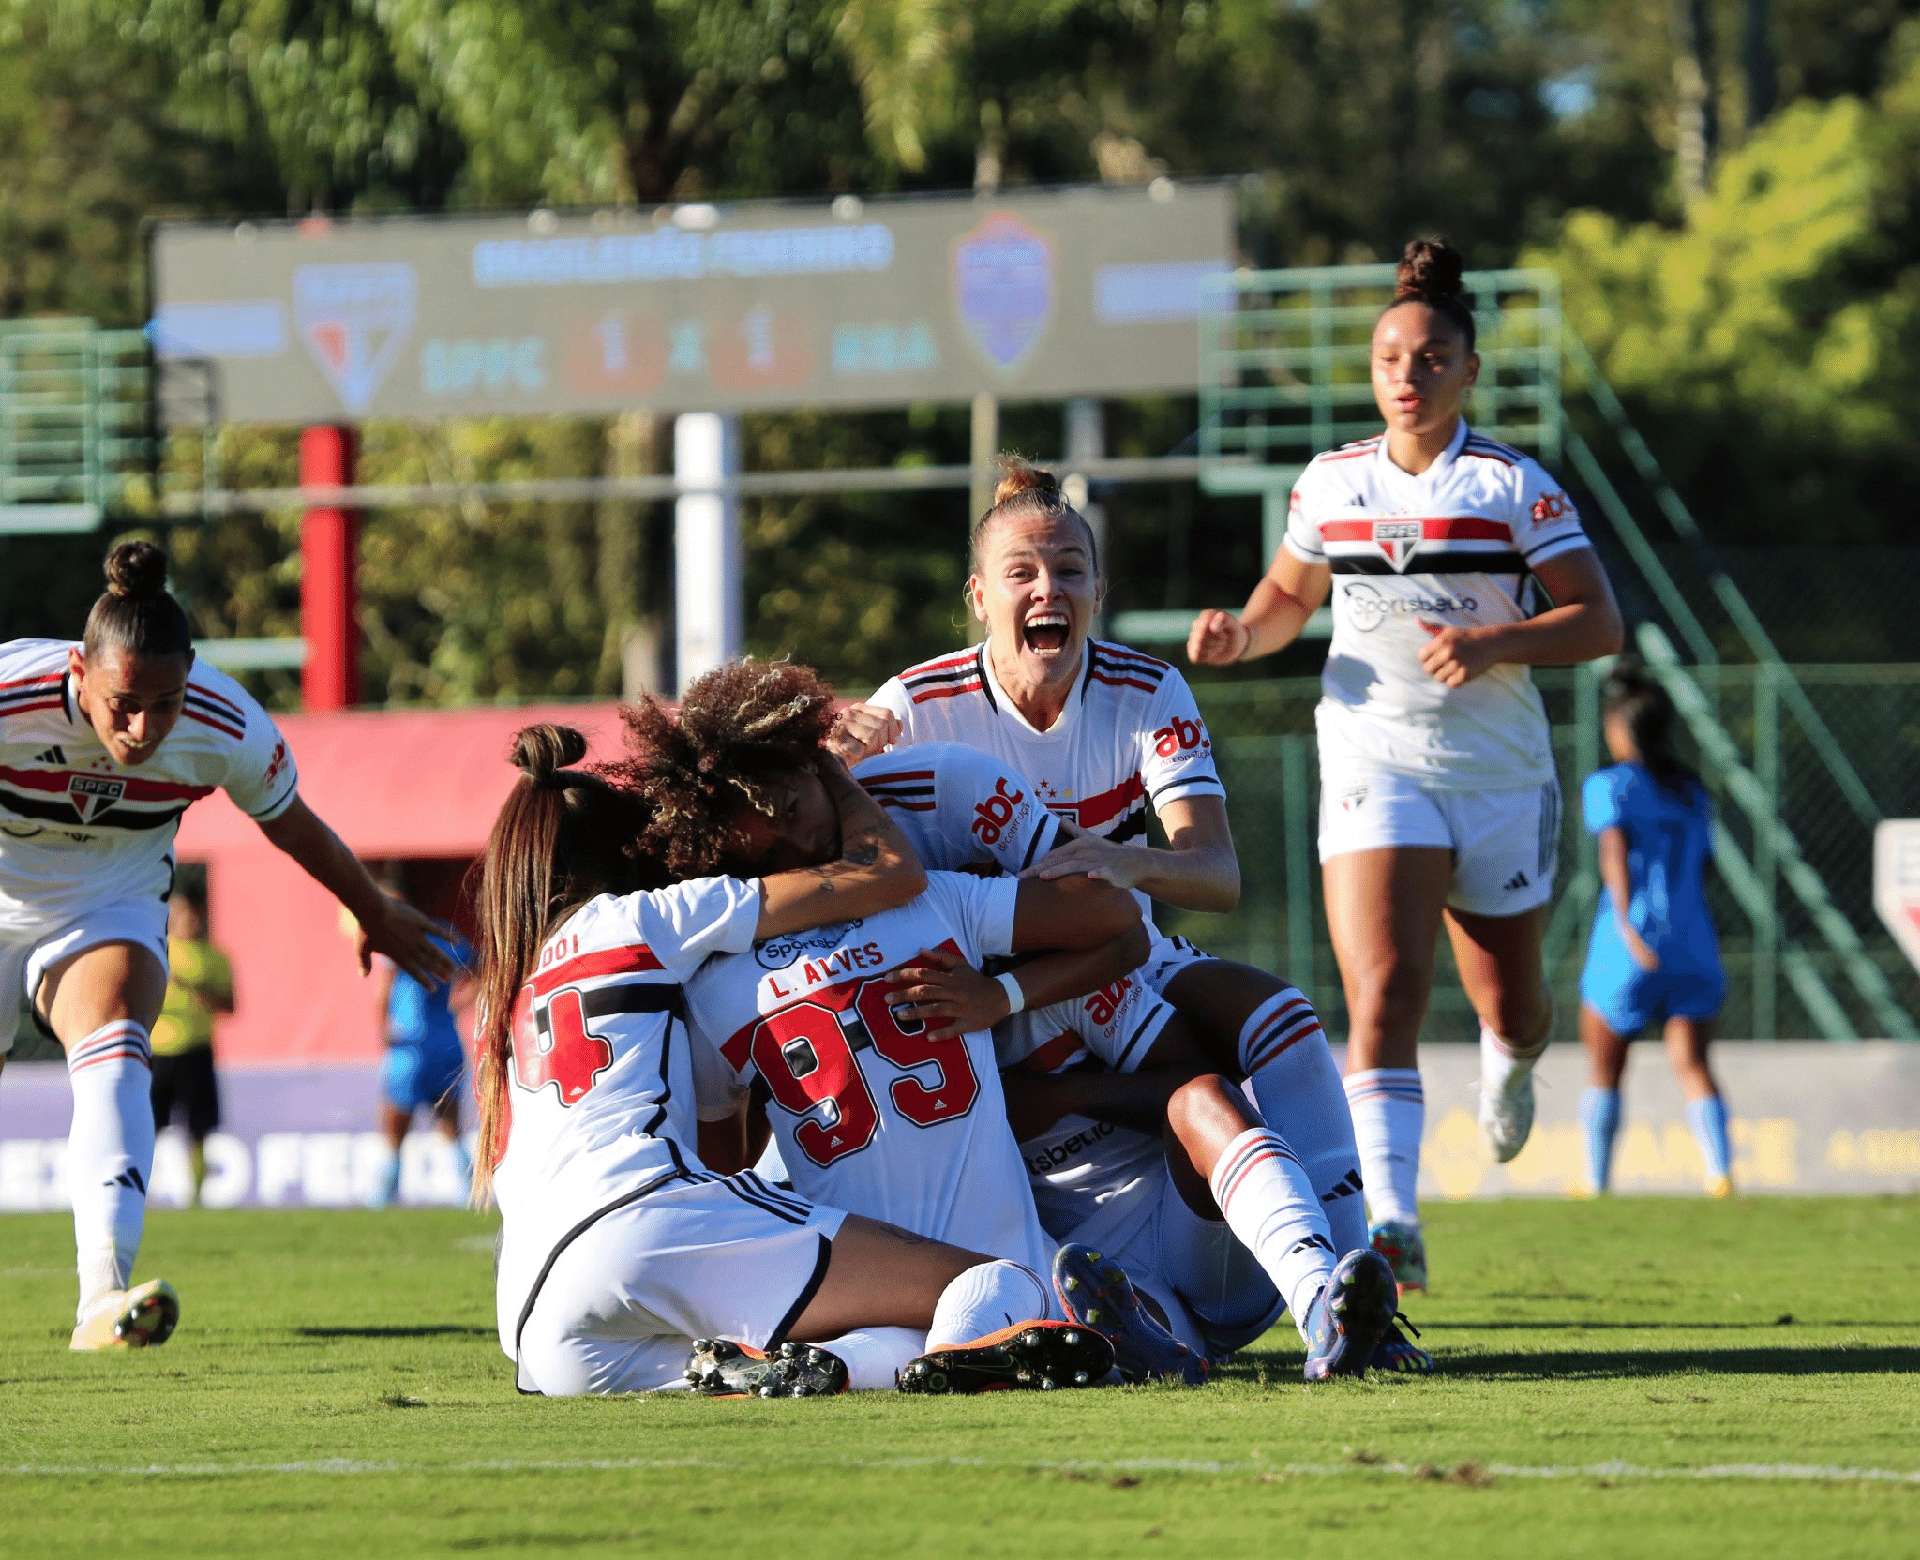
{"points": [[200, 985]]}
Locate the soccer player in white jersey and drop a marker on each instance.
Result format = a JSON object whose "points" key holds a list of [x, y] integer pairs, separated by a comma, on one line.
{"points": [[620, 1250], [103, 744], [1151, 1168], [872, 1111], [1105, 733], [1438, 798]]}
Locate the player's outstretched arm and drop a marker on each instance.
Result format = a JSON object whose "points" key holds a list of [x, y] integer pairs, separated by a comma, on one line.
{"points": [[875, 871], [1289, 593], [1198, 869], [387, 925]]}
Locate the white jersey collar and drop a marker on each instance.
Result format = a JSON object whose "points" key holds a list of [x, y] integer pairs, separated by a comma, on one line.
{"points": [[997, 696], [1442, 463]]}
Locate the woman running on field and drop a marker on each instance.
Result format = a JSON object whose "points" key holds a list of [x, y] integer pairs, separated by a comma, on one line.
{"points": [[1106, 733], [103, 745], [625, 1264], [1653, 957], [1438, 798]]}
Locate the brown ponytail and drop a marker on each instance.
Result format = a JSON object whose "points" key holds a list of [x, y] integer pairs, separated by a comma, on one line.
{"points": [[135, 613], [563, 836]]}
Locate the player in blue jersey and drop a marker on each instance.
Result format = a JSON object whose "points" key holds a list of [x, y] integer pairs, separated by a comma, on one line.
{"points": [[425, 1056], [1653, 957]]}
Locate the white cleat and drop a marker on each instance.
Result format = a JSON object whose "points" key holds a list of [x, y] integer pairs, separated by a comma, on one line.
{"points": [[1506, 1101], [136, 1318]]}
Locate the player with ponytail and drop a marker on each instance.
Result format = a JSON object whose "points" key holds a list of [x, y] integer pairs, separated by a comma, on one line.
{"points": [[1454, 563], [103, 745]]}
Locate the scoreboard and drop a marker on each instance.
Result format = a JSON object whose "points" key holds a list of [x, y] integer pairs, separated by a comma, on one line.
{"points": [[694, 307]]}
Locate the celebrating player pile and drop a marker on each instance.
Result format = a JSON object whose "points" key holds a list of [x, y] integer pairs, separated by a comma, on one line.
{"points": [[103, 745]]}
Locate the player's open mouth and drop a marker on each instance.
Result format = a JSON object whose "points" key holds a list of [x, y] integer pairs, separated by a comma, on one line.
{"points": [[1048, 632]]}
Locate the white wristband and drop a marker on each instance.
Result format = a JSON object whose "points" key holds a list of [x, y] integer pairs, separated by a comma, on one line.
{"points": [[1016, 998]]}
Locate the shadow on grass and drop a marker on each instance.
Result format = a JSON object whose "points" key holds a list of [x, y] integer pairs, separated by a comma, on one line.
{"points": [[395, 1332], [1639, 1364]]}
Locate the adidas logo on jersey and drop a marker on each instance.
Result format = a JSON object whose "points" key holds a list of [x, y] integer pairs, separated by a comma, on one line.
{"points": [[53, 755], [1514, 884]]}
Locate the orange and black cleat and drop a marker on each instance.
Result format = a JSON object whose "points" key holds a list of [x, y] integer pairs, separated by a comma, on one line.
{"points": [[1034, 1356]]}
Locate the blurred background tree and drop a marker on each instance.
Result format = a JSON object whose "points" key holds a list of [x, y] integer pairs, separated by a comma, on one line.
{"points": [[1727, 187]]}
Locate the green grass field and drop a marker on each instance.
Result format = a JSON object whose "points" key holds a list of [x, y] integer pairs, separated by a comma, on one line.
{"points": [[1630, 1377]]}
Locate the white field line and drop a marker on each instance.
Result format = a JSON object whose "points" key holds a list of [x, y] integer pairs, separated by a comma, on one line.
{"points": [[1816, 1473]]}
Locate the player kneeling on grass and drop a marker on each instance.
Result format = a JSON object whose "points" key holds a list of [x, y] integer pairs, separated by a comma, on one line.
{"points": [[619, 1249], [871, 1111], [1162, 1178], [103, 745]]}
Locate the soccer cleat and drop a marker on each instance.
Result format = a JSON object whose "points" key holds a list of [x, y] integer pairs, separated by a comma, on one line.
{"points": [[1096, 1292], [1719, 1186], [1506, 1109], [134, 1319], [1405, 1251], [717, 1368], [1397, 1354], [1032, 1356], [1349, 1316]]}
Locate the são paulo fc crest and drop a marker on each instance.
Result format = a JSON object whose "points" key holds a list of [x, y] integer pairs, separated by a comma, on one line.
{"points": [[1397, 539], [354, 320], [92, 795], [1003, 286]]}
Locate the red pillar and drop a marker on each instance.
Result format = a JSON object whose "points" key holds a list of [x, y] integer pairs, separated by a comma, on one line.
{"points": [[329, 548]]}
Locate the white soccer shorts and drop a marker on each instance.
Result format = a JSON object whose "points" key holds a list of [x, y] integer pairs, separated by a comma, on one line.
{"points": [[1505, 843], [625, 1294], [26, 957]]}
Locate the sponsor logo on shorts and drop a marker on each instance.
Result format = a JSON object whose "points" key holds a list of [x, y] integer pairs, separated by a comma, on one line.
{"points": [[1067, 1148], [776, 953], [1370, 608], [1352, 797]]}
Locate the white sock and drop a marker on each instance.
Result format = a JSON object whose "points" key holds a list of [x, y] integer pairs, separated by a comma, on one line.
{"points": [[1501, 1064], [1291, 1074], [985, 1299], [109, 1154], [1389, 1114], [873, 1354], [1270, 1204]]}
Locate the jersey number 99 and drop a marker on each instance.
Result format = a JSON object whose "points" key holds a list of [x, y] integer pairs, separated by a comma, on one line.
{"points": [[806, 1054]]}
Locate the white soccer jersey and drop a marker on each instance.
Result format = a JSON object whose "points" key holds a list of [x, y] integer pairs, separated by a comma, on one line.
{"points": [[601, 1090], [1454, 547], [1130, 735], [869, 1115], [962, 810], [77, 829]]}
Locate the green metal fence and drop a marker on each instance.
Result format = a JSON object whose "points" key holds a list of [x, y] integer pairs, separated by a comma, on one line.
{"points": [[74, 422], [1788, 978]]}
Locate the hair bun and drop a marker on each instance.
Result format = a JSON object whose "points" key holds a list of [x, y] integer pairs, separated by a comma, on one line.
{"points": [[137, 570], [1430, 272], [539, 752], [1017, 477]]}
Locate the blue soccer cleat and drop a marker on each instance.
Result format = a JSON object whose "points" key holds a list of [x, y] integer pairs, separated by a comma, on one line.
{"points": [[1349, 1316], [1398, 1355], [1096, 1292]]}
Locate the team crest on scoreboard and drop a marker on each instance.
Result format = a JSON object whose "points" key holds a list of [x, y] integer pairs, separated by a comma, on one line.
{"points": [[354, 320], [92, 795], [1003, 285], [1397, 539]]}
